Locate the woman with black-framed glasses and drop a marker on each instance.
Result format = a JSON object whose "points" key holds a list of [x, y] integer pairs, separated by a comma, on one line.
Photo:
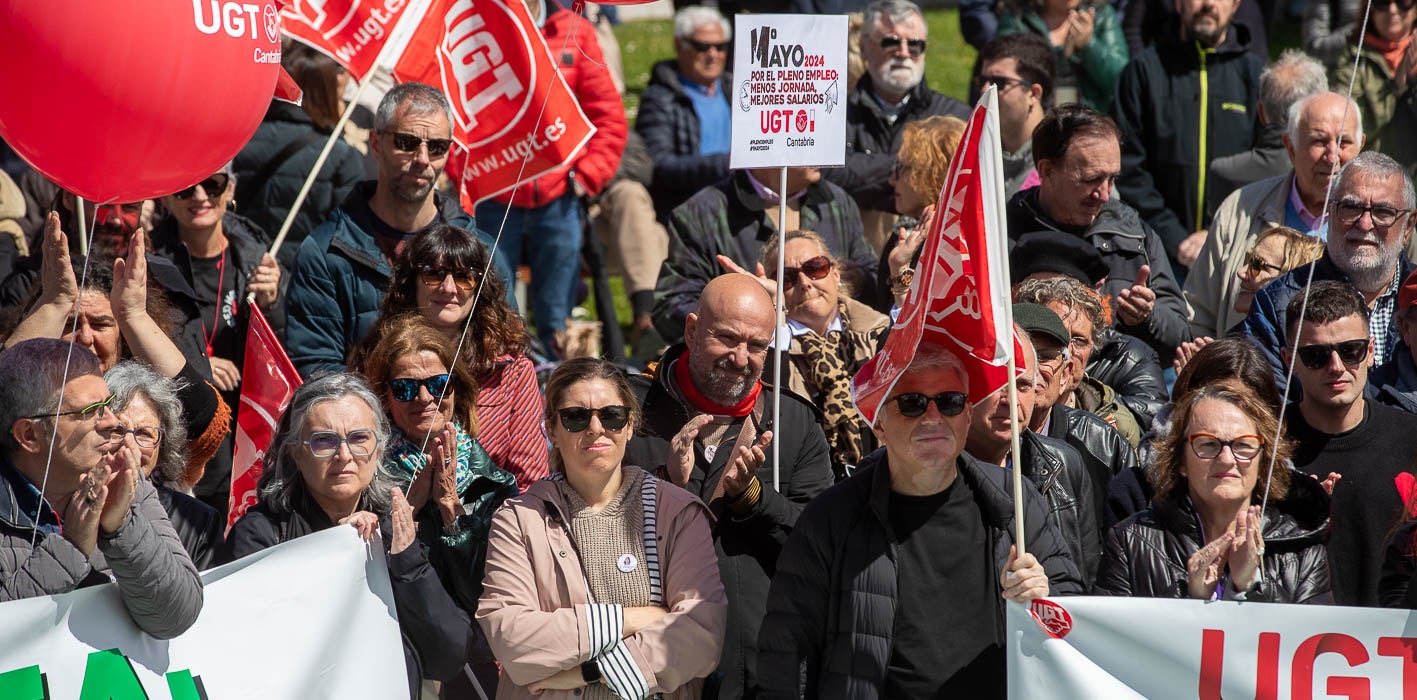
{"points": [[602, 581], [1203, 536]]}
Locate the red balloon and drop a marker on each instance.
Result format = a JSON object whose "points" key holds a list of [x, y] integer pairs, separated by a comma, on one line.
{"points": [[123, 100]]}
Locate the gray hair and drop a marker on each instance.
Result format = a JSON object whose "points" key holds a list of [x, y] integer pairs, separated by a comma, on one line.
{"points": [[1374, 164], [688, 20], [1296, 111], [32, 377], [932, 356], [417, 98], [897, 10], [282, 487], [1286, 81], [130, 378]]}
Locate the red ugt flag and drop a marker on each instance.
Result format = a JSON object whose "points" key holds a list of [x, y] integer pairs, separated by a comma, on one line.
{"points": [[509, 101], [352, 32], [268, 380], [960, 295]]}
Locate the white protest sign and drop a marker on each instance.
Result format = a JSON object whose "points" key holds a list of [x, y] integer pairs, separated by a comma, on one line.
{"points": [[312, 618], [789, 91]]}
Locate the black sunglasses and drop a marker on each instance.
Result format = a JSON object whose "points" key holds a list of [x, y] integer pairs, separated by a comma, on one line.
{"points": [[407, 389], [704, 46], [814, 268], [408, 143], [914, 405], [577, 418], [914, 46], [1350, 352], [1258, 265], [214, 186], [1403, 5], [434, 276]]}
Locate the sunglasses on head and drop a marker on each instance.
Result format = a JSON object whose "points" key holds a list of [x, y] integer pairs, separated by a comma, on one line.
{"points": [[1258, 265], [408, 143], [407, 389], [914, 46], [577, 418], [704, 46], [214, 186], [1350, 352], [434, 276], [914, 405], [814, 268]]}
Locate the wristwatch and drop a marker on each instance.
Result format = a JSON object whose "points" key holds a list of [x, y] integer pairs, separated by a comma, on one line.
{"points": [[590, 672]]}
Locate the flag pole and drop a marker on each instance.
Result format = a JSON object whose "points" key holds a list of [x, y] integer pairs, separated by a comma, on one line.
{"points": [[83, 226], [779, 323]]}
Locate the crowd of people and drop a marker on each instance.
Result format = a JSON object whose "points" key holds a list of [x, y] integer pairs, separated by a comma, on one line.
{"points": [[1197, 234]]}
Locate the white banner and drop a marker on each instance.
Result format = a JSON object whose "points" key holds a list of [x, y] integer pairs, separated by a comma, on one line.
{"points": [[1159, 648], [312, 618], [789, 92]]}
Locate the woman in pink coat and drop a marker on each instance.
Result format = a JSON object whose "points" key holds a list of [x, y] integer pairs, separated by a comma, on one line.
{"points": [[602, 581]]}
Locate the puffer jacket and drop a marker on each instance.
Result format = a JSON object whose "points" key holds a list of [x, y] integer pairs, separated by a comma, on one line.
{"points": [[1097, 65], [1104, 450], [1126, 244], [730, 219], [872, 140], [831, 609], [157, 581], [1057, 470], [339, 282], [583, 66], [1395, 381], [671, 129], [1146, 554], [1171, 130], [283, 124], [1133, 370], [1388, 114]]}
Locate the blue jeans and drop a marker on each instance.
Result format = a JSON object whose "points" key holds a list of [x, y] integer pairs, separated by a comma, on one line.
{"points": [[552, 237]]}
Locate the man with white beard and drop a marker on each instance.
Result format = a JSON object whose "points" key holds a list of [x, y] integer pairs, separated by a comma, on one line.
{"points": [[890, 94], [1370, 215]]}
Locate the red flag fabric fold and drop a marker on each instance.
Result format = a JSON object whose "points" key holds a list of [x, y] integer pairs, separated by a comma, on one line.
{"points": [[268, 381]]}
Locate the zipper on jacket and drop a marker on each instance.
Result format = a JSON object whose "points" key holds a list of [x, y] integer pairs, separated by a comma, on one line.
{"points": [[1205, 109]]}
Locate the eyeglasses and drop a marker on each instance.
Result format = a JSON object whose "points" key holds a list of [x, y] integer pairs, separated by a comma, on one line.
{"points": [[1002, 82], [1047, 356], [914, 405], [1258, 265], [577, 418], [408, 143], [814, 268], [88, 412], [704, 46], [914, 46], [145, 435], [464, 280], [214, 186], [1383, 215], [1244, 447], [326, 444], [1350, 352], [407, 389]]}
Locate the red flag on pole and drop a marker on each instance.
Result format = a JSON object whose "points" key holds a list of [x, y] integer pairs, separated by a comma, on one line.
{"points": [[268, 380], [352, 32], [960, 295], [509, 100]]}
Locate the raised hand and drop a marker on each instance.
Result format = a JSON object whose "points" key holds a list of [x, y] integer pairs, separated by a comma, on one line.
{"points": [[265, 282], [1134, 305], [123, 467], [225, 374], [744, 467], [1187, 351], [1023, 578], [57, 283], [1246, 549], [1329, 483], [1204, 567], [85, 508], [404, 527], [129, 297], [365, 522], [681, 450], [759, 274], [445, 476]]}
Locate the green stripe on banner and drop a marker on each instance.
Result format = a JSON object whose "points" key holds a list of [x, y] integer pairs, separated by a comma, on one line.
{"points": [[108, 675], [183, 687], [22, 684]]}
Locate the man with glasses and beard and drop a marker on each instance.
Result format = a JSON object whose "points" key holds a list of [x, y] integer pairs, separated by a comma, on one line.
{"points": [[893, 583], [345, 264], [707, 428], [1336, 430], [889, 95], [1370, 215]]}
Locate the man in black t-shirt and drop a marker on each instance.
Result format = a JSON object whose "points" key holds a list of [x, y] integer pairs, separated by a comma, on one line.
{"points": [[893, 582]]}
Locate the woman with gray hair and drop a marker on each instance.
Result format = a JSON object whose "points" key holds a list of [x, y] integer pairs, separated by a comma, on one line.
{"points": [[149, 406], [322, 469]]}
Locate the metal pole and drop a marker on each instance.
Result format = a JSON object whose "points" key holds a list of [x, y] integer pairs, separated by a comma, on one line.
{"points": [[83, 226], [779, 323]]}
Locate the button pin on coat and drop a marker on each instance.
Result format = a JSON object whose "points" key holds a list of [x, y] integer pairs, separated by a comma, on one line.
{"points": [[627, 563]]}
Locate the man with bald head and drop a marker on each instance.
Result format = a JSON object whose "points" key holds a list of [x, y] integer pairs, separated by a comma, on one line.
{"points": [[1325, 131], [707, 417]]}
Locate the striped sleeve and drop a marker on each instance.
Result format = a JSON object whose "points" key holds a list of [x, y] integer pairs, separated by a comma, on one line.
{"points": [[620, 674], [605, 623]]}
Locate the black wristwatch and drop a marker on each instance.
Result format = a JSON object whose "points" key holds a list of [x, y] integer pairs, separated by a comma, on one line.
{"points": [[590, 672]]}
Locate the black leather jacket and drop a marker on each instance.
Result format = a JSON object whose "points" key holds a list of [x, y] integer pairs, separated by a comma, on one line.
{"points": [[1057, 469], [197, 525], [1133, 370], [1104, 451], [1146, 554]]}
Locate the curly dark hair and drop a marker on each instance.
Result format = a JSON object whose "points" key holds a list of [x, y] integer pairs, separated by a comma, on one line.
{"points": [[496, 329]]}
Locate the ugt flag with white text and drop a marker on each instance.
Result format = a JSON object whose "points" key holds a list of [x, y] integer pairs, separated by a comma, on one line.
{"points": [[268, 380], [352, 32], [312, 618], [514, 118], [1158, 648]]}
